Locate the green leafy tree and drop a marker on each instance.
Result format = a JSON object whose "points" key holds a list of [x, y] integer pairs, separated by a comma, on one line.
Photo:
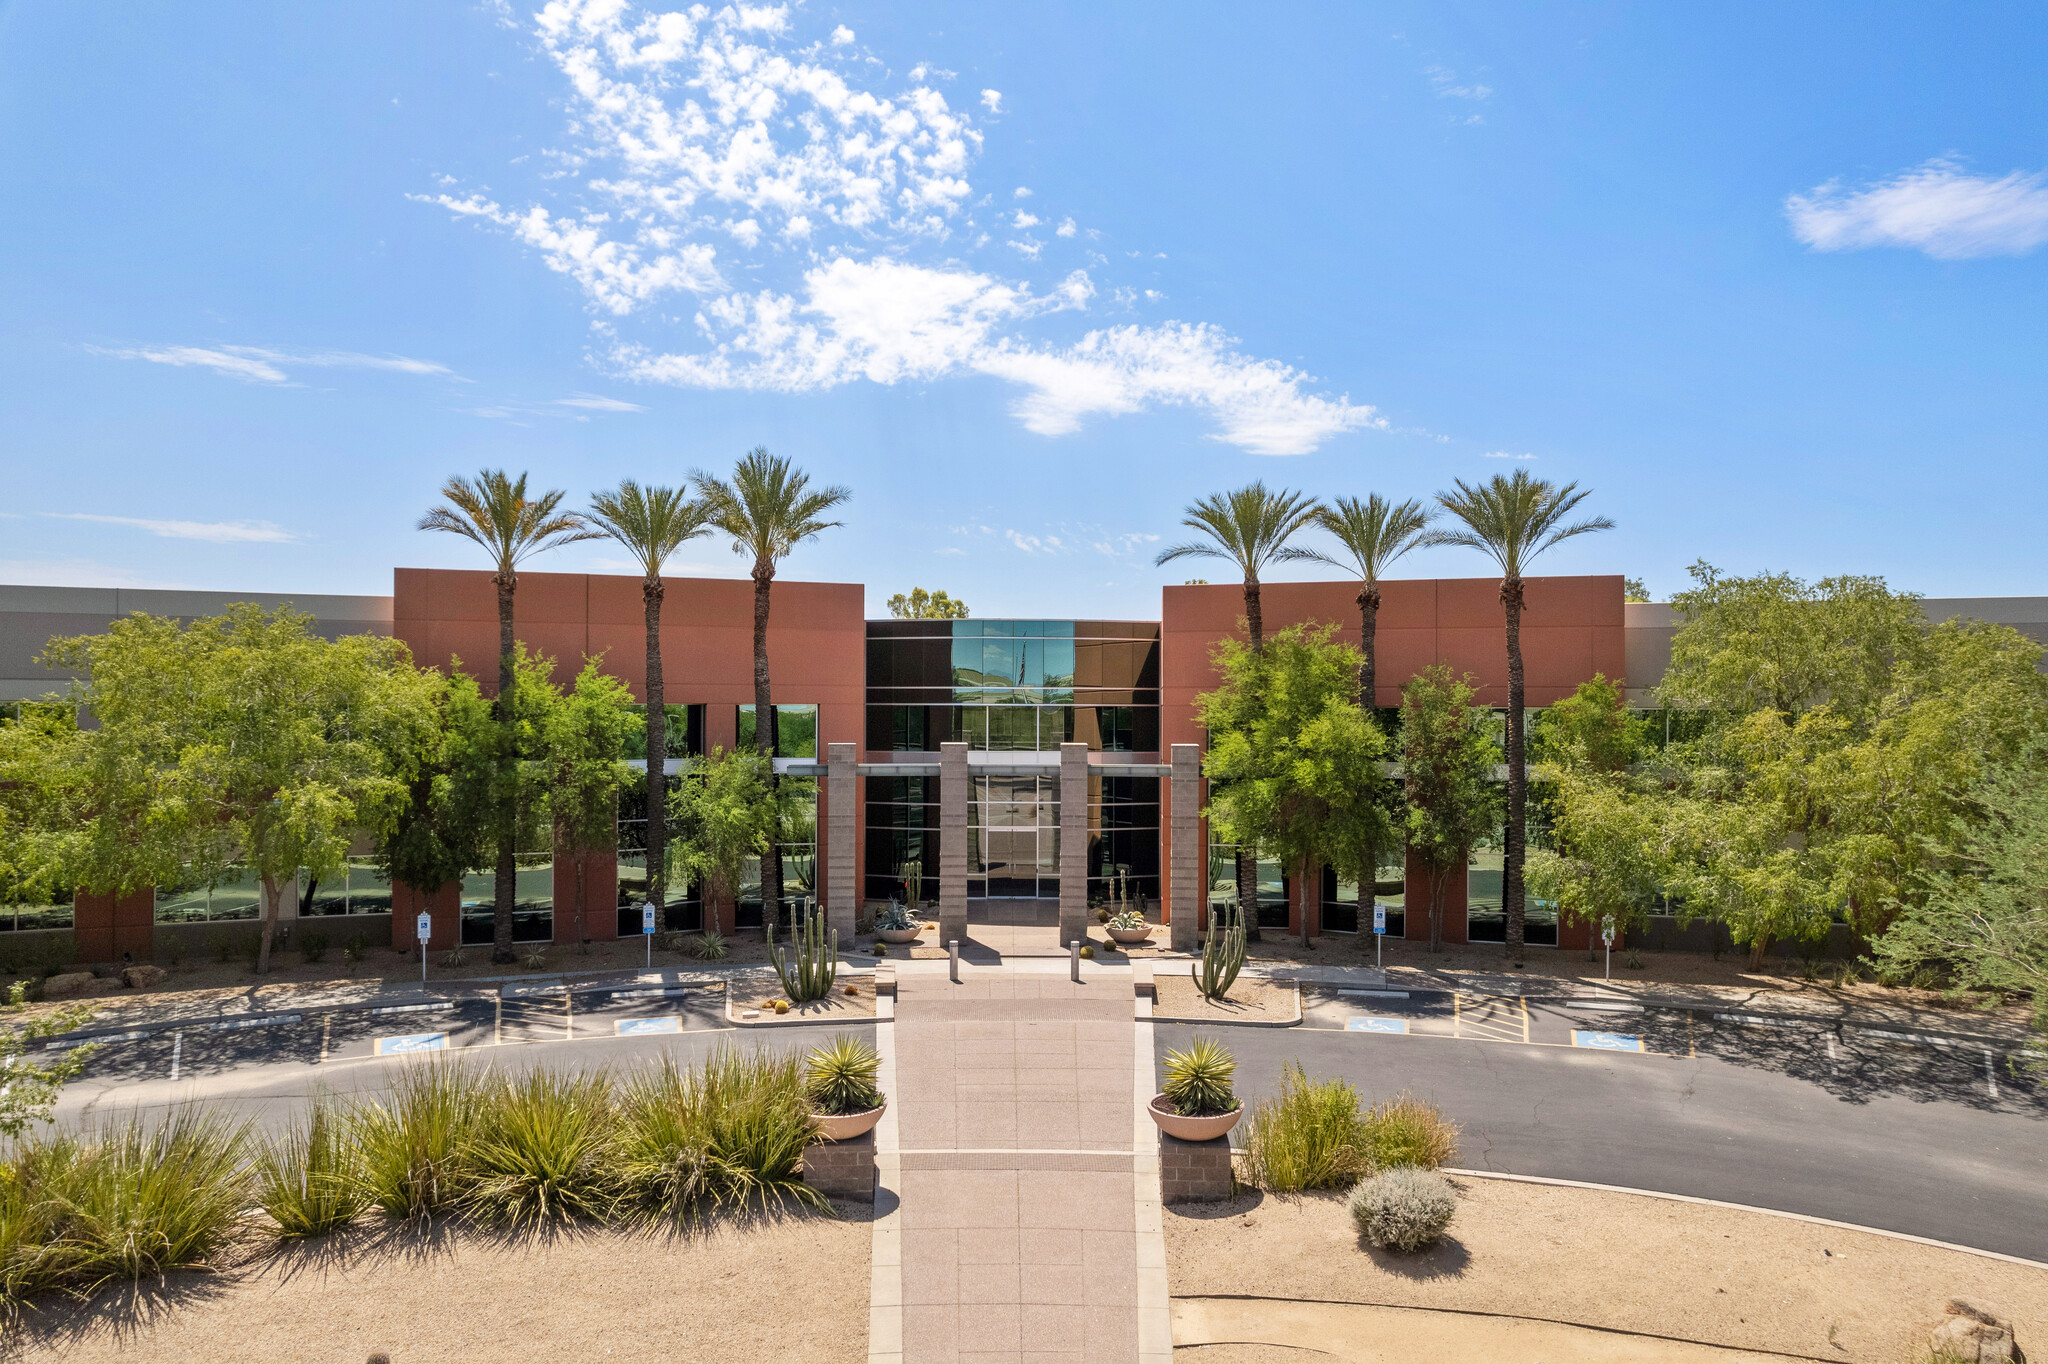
{"points": [[1374, 533], [1513, 520], [29, 1088], [923, 605], [1591, 730], [1295, 763], [585, 735], [724, 812], [1632, 589], [1985, 911], [239, 740], [652, 523], [768, 507], [1249, 527], [495, 512], [1604, 864], [1447, 761]]}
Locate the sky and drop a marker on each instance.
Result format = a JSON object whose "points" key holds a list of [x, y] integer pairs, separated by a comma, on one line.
{"points": [[1768, 280]]}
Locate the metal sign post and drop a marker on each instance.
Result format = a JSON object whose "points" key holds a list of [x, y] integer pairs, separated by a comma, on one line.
{"points": [[1607, 940], [424, 926], [1379, 936], [647, 930]]}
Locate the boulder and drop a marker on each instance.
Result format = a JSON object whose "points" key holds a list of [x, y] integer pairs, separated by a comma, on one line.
{"points": [[142, 977], [67, 985], [1974, 1333]]}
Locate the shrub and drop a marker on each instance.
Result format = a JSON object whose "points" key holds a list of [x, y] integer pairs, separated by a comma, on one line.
{"points": [[710, 945], [728, 1132], [124, 1202], [535, 958], [312, 946], [352, 951], [894, 917], [541, 1149], [1198, 1079], [453, 960], [310, 1182], [412, 1144], [1407, 1131], [840, 1076], [223, 943], [1403, 1209], [1306, 1137]]}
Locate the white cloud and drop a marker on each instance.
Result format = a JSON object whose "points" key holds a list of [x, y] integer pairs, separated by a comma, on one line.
{"points": [[1504, 454], [952, 549], [992, 100], [1036, 544], [1448, 86], [841, 36], [1127, 543], [706, 151], [596, 403], [1937, 208], [213, 532], [254, 364]]}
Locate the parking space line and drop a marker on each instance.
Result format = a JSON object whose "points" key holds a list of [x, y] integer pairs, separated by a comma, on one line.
{"points": [[1525, 1018], [1990, 1075], [569, 1017], [177, 1047], [498, 1023], [326, 1034]]}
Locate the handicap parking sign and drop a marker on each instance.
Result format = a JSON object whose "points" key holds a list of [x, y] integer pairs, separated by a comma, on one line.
{"points": [[1399, 1025], [412, 1042], [1607, 1041], [647, 918], [1379, 919]]}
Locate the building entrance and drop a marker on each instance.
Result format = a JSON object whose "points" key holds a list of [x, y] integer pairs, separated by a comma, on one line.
{"points": [[1014, 838]]}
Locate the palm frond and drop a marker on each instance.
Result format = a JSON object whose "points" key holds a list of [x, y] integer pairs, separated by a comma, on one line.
{"points": [[1249, 526], [652, 523], [768, 507], [495, 512], [1374, 533], [1512, 518]]}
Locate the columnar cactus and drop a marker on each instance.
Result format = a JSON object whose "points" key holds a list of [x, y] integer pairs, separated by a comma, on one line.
{"points": [[1222, 958], [816, 952]]}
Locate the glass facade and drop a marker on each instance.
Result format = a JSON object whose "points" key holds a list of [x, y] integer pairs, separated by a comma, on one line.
{"points": [[796, 730], [903, 839], [533, 901], [1013, 685], [1486, 918], [684, 907]]}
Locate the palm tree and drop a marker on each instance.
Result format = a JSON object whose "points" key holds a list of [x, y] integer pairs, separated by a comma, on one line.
{"points": [[769, 508], [495, 512], [1375, 533], [652, 523], [1513, 519], [1250, 527]]}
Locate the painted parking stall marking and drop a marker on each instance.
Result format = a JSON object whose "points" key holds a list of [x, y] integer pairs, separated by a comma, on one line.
{"points": [[266, 1021], [1606, 1041], [1394, 1025], [410, 1043], [641, 1027]]}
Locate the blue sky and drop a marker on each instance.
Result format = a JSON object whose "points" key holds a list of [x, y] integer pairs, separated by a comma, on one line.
{"points": [[1769, 279]]}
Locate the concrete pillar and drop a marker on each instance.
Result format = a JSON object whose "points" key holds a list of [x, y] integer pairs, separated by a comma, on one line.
{"points": [[842, 896], [1073, 843], [953, 793], [1186, 870]]}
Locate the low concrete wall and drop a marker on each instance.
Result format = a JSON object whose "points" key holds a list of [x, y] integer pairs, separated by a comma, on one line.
{"points": [[1194, 1171]]}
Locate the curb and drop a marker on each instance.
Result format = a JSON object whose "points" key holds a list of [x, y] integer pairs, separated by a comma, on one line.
{"points": [[1747, 1207]]}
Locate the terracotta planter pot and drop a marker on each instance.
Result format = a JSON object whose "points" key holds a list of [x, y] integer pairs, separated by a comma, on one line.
{"points": [[1191, 1129], [1129, 935], [898, 934], [843, 1126]]}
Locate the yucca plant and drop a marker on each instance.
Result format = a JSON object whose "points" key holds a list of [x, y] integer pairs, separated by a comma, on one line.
{"points": [[1222, 958], [413, 1144], [309, 1182], [729, 1132], [1198, 1079], [812, 963], [710, 945], [124, 1203], [542, 1149], [1308, 1136], [841, 1076]]}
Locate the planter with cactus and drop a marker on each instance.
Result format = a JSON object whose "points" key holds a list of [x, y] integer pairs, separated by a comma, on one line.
{"points": [[840, 1084], [1128, 928], [894, 924], [1197, 1103]]}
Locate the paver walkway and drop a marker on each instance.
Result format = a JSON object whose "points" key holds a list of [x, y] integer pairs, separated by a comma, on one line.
{"points": [[1019, 1235]]}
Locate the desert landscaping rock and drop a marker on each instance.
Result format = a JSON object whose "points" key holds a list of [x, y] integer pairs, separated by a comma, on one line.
{"points": [[69, 985], [143, 977], [1273, 1003], [1974, 1334]]}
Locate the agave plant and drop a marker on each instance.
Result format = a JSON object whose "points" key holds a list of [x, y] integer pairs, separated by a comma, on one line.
{"points": [[841, 1077], [1198, 1079]]}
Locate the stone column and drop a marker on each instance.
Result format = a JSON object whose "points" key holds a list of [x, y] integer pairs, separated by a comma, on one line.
{"points": [[1073, 843], [842, 895], [953, 792], [1186, 870]]}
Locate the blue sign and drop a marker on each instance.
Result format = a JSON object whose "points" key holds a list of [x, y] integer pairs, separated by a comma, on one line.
{"points": [[1399, 1025], [647, 918], [641, 1027], [1607, 1041], [412, 1042], [1379, 919]]}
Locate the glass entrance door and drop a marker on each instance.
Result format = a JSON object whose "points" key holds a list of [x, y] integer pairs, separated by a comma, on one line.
{"points": [[1014, 837]]}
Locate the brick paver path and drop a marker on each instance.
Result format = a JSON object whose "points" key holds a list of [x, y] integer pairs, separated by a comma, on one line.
{"points": [[1015, 1126]]}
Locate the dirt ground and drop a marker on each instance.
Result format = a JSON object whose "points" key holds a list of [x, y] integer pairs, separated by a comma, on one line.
{"points": [[1248, 1001], [790, 1288], [838, 1007], [1619, 1261]]}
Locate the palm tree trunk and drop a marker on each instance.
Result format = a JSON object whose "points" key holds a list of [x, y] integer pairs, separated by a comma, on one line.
{"points": [[505, 878], [1518, 778], [764, 740], [1248, 853], [657, 754], [1368, 626]]}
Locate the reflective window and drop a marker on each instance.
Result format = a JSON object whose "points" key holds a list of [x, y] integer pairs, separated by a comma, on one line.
{"points": [[796, 730]]}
